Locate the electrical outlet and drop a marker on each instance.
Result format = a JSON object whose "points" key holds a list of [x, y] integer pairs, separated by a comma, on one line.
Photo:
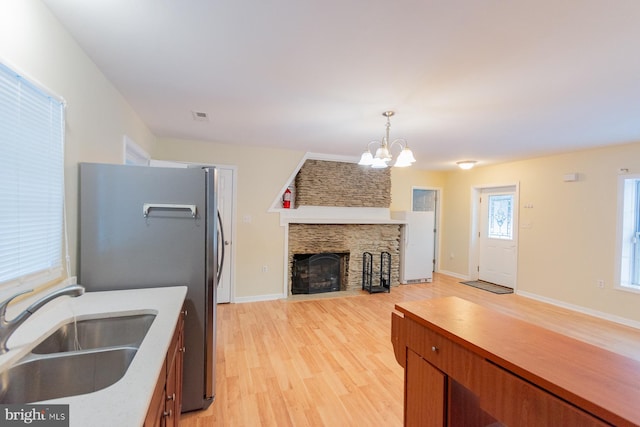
{"points": [[265, 268], [600, 283]]}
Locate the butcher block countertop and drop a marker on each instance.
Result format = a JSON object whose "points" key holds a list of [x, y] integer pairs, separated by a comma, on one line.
{"points": [[124, 403], [599, 381]]}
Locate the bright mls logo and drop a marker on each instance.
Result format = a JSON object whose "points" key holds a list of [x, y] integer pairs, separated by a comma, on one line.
{"points": [[34, 415]]}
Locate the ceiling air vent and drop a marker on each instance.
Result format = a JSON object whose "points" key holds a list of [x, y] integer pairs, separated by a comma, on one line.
{"points": [[200, 116]]}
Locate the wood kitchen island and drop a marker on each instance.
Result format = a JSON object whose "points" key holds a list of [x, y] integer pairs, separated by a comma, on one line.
{"points": [[468, 365]]}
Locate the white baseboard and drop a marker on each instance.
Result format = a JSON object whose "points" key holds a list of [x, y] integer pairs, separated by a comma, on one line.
{"points": [[257, 298], [580, 309], [452, 274]]}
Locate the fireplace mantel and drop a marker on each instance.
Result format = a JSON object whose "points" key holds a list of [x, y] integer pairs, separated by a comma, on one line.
{"points": [[337, 215]]}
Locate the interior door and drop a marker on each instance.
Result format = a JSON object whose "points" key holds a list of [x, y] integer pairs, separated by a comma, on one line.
{"points": [[226, 183], [498, 236], [225, 207], [426, 200]]}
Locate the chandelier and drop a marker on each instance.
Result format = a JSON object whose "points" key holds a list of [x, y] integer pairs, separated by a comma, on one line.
{"points": [[382, 155]]}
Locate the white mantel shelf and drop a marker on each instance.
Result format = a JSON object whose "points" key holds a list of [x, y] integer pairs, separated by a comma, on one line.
{"points": [[336, 215]]}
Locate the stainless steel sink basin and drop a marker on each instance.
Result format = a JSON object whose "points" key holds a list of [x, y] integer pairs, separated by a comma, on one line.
{"points": [[78, 358], [97, 333], [66, 374]]}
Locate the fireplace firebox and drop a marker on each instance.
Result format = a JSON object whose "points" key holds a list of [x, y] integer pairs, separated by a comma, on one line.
{"points": [[316, 273]]}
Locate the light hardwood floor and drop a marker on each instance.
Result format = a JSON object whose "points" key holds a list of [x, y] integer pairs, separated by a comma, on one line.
{"points": [[330, 362]]}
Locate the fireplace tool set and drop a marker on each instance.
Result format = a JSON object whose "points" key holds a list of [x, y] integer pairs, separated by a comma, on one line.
{"points": [[384, 282]]}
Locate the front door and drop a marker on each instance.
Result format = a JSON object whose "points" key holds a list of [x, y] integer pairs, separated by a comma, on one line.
{"points": [[498, 236]]}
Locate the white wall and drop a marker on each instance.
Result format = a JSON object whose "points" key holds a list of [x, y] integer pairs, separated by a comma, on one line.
{"points": [[34, 43]]}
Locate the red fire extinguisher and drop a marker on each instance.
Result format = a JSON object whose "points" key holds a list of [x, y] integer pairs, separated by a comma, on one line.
{"points": [[286, 199]]}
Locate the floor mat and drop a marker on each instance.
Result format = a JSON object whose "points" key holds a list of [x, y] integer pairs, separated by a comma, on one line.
{"points": [[496, 289]]}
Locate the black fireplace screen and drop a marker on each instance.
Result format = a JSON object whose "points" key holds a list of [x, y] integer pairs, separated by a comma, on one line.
{"points": [[315, 273]]}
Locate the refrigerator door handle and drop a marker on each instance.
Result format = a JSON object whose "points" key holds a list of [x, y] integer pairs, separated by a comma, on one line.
{"points": [[220, 239], [148, 206]]}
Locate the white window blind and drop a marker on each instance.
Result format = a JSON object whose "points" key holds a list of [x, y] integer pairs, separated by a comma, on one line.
{"points": [[31, 182]]}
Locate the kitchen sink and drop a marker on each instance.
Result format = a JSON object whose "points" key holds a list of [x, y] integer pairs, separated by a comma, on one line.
{"points": [[37, 378], [77, 358], [97, 333]]}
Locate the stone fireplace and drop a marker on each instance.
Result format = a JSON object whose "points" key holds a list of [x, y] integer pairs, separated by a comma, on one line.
{"points": [[317, 273], [340, 208], [354, 239]]}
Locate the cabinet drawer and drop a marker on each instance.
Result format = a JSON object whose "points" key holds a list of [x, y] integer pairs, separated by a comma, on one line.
{"points": [[451, 358], [515, 401]]}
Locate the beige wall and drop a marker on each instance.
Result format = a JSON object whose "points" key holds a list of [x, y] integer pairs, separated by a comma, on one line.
{"points": [[402, 181], [262, 173], [34, 43], [571, 241]]}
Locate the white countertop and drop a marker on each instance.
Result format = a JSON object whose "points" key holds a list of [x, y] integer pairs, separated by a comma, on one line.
{"points": [[124, 403]]}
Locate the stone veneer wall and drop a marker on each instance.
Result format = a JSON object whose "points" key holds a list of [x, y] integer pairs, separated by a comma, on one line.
{"points": [[325, 183], [352, 238]]}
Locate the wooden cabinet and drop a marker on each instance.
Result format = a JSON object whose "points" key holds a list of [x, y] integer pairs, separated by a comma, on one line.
{"points": [[423, 379], [466, 365], [449, 357], [518, 402], [439, 378], [166, 403]]}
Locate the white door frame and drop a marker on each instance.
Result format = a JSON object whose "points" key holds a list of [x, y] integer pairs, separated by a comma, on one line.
{"points": [[230, 248], [474, 241], [438, 214]]}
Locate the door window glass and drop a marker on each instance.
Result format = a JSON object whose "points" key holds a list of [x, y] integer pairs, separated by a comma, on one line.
{"points": [[423, 200], [500, 217]]}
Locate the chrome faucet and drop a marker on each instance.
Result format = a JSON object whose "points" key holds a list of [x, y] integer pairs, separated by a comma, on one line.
{"points": [[8, 327]]}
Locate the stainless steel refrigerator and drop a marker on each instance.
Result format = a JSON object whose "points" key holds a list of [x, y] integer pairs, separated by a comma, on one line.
{"points": [[146, 227]]}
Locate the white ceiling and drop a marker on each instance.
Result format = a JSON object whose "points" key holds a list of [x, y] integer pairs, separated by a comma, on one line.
{"points": [[490, 80]]}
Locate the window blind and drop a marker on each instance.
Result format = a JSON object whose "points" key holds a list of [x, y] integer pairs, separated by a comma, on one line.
{"points": [[31, 182]]}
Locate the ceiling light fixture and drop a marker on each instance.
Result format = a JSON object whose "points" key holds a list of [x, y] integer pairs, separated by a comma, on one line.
{"points": [[466, 164], [382, 155]]}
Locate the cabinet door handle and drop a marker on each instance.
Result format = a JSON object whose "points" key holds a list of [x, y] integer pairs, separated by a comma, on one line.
{"points": [[172, 397], [434, 349], [168, 414], [182, 349]]}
